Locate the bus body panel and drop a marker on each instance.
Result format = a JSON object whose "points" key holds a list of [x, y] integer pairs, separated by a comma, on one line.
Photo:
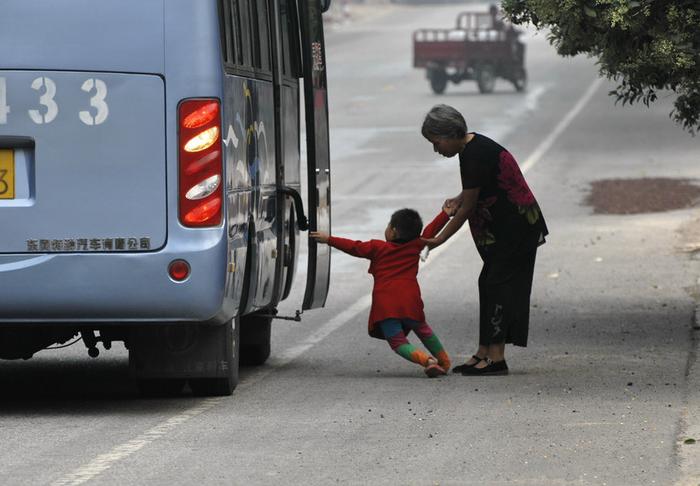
{"points": [[93, 156], [114, 287], [250, 152], [261, 151], [110, 36]]}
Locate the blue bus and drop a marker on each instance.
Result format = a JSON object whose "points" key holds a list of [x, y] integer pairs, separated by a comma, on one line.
{"points": [[150, 179]]}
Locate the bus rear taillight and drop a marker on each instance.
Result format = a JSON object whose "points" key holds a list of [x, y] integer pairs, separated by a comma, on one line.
{"points": [[201, 165], [206, 113]]}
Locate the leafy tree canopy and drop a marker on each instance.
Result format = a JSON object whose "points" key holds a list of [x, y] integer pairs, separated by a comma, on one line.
{"points": [[645, 45]]}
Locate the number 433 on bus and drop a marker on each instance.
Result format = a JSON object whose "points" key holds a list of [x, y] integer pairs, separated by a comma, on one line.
{"points": [[47, 90]]}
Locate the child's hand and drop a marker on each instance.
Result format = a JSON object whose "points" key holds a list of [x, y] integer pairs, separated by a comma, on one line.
{"points": [[319, 236]]}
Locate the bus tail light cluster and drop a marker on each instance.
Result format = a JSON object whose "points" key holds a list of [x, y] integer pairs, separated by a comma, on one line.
{"points": [[201, 163]]}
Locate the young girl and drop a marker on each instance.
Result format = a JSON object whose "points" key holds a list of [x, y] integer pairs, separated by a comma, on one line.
{"points": [[397, 307]]}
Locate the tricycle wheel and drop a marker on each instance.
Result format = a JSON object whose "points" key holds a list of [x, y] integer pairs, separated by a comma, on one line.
{"points": [[486, 78], [520, 80], [438, 80]]}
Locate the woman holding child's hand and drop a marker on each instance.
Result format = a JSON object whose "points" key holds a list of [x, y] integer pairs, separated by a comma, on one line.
{"points": [[397, 306], [507, 227]]}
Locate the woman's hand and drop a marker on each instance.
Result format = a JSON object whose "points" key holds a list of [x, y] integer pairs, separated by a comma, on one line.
{"points": [[319, 236], [449, 209], [450, 206]]}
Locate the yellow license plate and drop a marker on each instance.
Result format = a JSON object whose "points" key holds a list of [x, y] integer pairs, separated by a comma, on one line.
{"points": [[7, 174]]}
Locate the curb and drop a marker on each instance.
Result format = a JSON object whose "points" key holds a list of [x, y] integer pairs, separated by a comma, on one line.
{"points": [[689, 422]]}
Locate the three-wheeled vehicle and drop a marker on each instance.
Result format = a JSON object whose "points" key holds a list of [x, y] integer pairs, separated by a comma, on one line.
{"points": [[481, 47]]}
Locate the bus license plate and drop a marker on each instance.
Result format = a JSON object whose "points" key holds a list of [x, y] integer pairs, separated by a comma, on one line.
{"points": [[7, 174]]}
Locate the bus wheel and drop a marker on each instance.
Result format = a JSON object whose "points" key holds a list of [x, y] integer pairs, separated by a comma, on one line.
{"points": [[224, 385], [255, 339], [158, 388], [486, 78], [520, 80], [438, 80]]}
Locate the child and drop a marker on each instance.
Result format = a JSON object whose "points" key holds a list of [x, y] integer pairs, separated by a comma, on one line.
{"points": [[397, 307]]}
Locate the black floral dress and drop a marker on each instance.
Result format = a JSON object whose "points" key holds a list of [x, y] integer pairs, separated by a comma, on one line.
{"points": [[507, 227]]}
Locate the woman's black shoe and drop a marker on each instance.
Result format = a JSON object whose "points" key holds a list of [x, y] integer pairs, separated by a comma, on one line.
{"points": [[465, 366], [491, 369]]}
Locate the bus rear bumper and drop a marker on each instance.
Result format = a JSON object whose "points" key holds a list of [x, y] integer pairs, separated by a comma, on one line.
{"points": [[113, 288]]}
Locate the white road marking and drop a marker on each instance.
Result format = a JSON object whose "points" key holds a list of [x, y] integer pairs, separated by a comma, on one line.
{"points": [[105, 461], [500, 126], [547, 143]]}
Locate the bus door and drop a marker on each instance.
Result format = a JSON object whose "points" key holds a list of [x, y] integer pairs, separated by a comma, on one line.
{"points": [[317, 148]]}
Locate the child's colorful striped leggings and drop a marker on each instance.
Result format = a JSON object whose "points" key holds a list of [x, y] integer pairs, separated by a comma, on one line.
{"points": [[395, 332]]}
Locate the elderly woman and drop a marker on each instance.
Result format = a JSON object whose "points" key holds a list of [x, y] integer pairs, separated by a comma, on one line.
{"points": [[507, 226]]}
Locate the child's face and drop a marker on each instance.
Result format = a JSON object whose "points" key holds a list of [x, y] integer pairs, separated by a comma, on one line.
{"points": [[390, 233]]}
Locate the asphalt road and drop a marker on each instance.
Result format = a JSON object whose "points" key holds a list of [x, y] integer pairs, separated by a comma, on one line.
{"points": [[603, 394]]}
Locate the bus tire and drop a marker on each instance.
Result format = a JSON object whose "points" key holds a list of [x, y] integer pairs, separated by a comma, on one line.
{"points": [[222, 385], [486, 78], [256, 334], [438, 80], [159, 388]]}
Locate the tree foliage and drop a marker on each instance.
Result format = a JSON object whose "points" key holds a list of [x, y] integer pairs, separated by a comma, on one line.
{"points": [[646, 46]]}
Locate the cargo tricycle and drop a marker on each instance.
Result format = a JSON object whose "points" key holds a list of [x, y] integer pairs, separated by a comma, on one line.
{"points": [[481, 47]]}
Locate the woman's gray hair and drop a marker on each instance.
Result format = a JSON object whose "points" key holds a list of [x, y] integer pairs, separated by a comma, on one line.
{"points": [[443, 121]]}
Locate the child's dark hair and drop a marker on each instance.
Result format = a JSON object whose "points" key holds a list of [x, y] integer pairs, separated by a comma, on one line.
{"points": [[407, 223]]}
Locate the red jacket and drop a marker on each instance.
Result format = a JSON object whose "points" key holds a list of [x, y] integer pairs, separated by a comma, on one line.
{"points": [[394, 267]]}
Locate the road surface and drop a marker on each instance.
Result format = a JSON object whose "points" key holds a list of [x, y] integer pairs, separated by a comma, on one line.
{"points": [[603, 395]]}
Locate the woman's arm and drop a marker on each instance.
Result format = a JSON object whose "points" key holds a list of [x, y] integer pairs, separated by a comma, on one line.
{"points": [[467, 207]]}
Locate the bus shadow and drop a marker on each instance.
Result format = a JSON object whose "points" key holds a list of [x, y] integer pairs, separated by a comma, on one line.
{"points": [[57, 385], [81, 386]]}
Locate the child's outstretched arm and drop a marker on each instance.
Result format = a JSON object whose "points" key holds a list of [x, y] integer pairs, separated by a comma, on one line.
{"points": [[434, 227], [362, 249]]}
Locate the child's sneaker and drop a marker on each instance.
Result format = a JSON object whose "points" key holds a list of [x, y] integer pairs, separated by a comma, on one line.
{"points": [[432, 369]]}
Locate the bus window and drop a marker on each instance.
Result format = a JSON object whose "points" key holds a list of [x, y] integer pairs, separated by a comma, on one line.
{"points": [[235, 33], [225, 16], [253, 12], [241, 13], [290, 41], [263, 35]]}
